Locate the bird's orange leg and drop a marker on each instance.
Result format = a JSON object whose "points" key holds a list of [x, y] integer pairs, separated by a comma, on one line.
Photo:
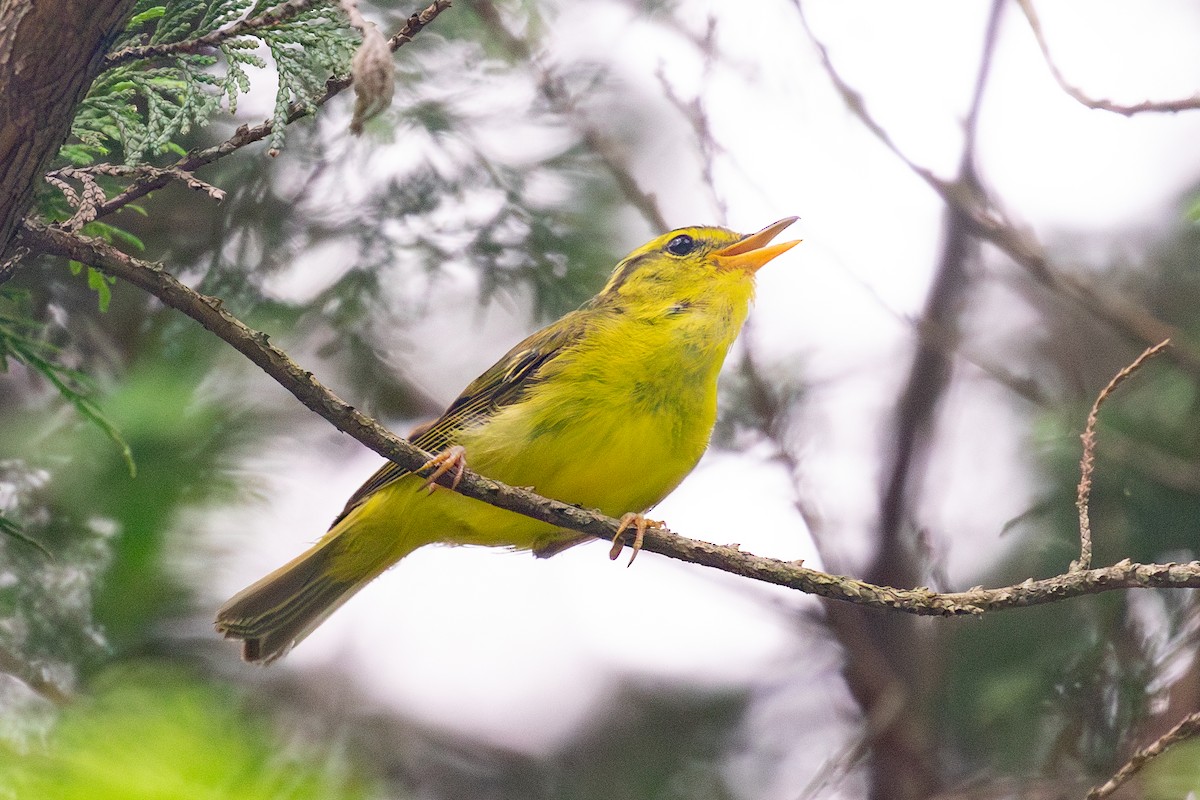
{"points": [[452, 459], [639, 523]]}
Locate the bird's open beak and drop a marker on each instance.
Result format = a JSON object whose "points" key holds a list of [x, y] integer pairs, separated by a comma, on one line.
{"points": [[751, 252]]}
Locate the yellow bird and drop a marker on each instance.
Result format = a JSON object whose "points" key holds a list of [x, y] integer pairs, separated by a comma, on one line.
{"points": [[609, 408]]}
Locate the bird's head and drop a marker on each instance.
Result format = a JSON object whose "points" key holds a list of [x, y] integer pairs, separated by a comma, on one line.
{"points": [[690, 263]]}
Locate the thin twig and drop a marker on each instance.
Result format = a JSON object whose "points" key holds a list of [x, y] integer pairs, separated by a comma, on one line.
{"points": [[9, 266], [210, 313], [1187, 728], [1087, 462], [696, 114], [1160, 106], [834, 769], [87, 204], [138, 172], [32, 677], [1168, 469]]}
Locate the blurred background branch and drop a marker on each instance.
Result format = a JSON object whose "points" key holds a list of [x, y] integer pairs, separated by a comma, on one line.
{"points": [[1145, 106], [554, 89]]}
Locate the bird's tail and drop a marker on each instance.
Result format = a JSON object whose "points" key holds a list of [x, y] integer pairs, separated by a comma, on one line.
{"points": [[274, 613]]}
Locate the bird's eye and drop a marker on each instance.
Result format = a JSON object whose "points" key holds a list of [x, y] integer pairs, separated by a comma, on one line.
{"points": [[681, 245]]}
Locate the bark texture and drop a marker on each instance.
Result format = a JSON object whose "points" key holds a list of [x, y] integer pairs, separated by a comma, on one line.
{"points": [[50, 52]]}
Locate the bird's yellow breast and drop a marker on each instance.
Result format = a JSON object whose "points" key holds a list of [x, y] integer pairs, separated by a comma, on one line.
{"points": [[617, 422], [614, 422]]}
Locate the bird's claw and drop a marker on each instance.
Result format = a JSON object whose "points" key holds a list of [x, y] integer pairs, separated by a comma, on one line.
{"points": [[452, 459], [639, 523]]}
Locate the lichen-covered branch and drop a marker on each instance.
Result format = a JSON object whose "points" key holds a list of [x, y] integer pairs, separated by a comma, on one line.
{"points": [[1087, 461], [1187, 728], [255, 345]]}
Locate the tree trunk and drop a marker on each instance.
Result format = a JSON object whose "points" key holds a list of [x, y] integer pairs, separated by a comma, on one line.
{"points": [[50, 52]]}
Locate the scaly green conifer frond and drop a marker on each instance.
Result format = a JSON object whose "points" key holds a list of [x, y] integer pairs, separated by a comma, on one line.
{"points": [[181, 61]]}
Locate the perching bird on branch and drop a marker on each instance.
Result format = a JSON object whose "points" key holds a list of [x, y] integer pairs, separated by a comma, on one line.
{"points": [[609, 408]]}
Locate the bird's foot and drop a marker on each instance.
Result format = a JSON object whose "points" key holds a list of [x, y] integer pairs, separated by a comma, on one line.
{"points": [[452, 459], [639, 523]]}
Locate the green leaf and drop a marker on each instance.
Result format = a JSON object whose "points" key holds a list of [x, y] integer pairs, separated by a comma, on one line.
{"points": [[147, 15], [150, 732], [14, 531], [102, 285], [17, 339], [1193, 212], [86, 407], [112, 234]]}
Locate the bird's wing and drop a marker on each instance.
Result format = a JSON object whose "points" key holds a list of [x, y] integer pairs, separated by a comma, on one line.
{"points": [[505, 383]]}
